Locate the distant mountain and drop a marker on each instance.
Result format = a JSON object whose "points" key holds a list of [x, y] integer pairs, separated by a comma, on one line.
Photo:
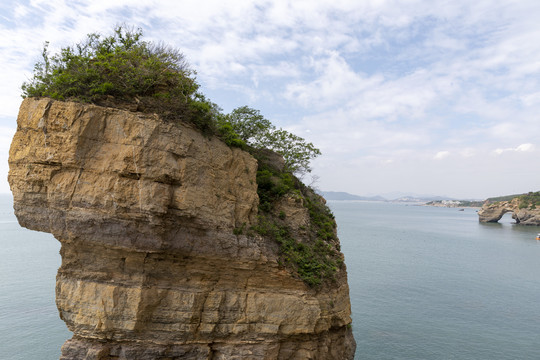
{"points": [[341, 195], [408, 196]]}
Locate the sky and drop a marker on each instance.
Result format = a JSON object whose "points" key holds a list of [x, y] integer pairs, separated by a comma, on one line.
{"points": [[426, 97]]}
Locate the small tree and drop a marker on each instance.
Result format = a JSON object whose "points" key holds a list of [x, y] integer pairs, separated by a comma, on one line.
{"points": [[249, 124], [295, 150], [257, 131]]}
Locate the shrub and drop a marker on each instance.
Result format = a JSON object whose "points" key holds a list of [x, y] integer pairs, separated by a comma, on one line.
{"points": [[315, 261], [122, 68], [317, 257], [532, 200]]}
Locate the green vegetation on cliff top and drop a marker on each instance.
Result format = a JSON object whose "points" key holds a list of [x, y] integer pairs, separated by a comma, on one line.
{"points": [[121, 70], [530, 200], [502, 198], [124, 71]]}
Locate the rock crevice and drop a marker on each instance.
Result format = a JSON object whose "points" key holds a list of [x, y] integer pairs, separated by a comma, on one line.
{"points": [[151, 266]]}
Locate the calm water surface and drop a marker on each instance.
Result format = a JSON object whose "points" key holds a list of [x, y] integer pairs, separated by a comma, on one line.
{"points": [[426, 283], [433, 283], [30, 328]]}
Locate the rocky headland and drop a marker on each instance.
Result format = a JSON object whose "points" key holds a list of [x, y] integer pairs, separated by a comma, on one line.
{"points": [[155, 261], [523, 212]]}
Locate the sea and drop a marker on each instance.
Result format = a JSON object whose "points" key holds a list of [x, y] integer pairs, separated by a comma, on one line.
{"points": [[425, 283]]}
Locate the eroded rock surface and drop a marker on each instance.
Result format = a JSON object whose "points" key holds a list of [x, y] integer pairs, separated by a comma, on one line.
{"points": [[151, 266], [494, 212]]}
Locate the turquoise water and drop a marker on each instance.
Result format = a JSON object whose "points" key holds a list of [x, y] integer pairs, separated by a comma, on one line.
{"points": [[30, 327], [426, 283], [433, 283]]}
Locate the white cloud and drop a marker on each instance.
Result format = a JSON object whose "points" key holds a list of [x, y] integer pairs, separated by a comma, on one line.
{"points": [[441, 155], [521, 148], [381, 84], [335, 84], [467, 153], [525, 147], [531, 99], [20, 11]]}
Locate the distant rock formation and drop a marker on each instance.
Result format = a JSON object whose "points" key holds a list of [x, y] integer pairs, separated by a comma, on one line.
{"points": [[493, 212], [152, 267]]}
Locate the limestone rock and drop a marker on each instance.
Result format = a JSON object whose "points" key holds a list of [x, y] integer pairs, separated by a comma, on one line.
{"points": [[151, 266], [493, 212]]}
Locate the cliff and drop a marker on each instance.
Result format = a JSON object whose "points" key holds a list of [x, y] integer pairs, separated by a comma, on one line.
{"points": [[522, 213], [153, 266]]}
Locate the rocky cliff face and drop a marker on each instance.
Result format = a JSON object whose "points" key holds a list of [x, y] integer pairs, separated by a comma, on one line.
{"points": [[494, 212], [151, 265]]}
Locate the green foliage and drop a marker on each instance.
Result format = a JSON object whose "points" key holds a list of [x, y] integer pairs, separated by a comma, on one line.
{"points": [[239, 230], [530, 200], [124, 68], [317, 258], [203, 113], [248, 124], [271, 185], [258, 132], [295, 150], [230, 137], [118, 65], [501, 198], [322, 219]]}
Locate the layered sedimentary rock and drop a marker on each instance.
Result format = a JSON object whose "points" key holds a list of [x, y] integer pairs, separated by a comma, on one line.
{"points": [[493, 212], [152, 267]]}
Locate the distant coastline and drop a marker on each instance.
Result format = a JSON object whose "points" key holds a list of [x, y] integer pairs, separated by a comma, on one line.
{"points": [[456, 203], [343, 196], [429, 200], [529, 201]]}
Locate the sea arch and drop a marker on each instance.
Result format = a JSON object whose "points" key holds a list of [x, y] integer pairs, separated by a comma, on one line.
{"points": [[494, 212], [511, 211]]}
